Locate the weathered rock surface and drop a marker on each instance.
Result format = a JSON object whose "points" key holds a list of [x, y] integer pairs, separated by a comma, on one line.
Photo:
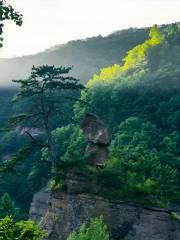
{"points": [[39, 206], [62, 213], [33, 131], [79, 183], [95, 130], [98, 137]]}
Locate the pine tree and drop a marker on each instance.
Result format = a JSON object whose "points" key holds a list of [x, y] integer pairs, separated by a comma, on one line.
{"points": [[96, 230], [43, 90], [7, 206]]}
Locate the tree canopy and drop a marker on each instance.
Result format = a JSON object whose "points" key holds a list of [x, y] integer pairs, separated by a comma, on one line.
{"points": [[45, 91], [96, 230], [20, 230], [139, 103], [7, 12]]}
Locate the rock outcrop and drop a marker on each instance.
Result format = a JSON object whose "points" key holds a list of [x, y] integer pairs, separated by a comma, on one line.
{"points": [[21, 130], [39, 206], [98, 137], [60, 213]]}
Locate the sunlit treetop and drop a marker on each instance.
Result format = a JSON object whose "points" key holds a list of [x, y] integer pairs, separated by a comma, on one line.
{"points": [[135, 57], [7, 12]]}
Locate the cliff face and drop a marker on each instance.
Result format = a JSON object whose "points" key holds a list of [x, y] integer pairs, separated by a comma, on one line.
{"points": [[61, 213]]}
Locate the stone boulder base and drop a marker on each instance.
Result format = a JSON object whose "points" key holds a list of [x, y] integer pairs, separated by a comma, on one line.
{"points": [[95, 130], [62, 213], [98, 137]]}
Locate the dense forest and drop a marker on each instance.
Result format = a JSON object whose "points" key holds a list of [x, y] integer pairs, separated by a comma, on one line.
{"points": [[140, 102], [137, 95], [98, 52]]}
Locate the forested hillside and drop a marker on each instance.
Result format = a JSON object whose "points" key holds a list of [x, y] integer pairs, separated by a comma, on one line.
{"points": [[138, 100], [87, 56]]}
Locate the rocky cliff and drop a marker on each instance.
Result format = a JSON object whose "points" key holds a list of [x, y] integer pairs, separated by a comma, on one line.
{"points": [[61, 213]]}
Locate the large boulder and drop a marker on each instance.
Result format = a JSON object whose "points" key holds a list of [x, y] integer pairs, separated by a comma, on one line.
{"points": [[95, 130], [98, 137]]}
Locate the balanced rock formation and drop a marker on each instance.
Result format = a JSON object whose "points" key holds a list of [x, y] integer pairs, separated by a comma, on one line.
{"points": [[98, 137]]}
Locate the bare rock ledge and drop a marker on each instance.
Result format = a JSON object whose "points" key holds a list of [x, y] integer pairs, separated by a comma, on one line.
{"points": [[60, 213]]}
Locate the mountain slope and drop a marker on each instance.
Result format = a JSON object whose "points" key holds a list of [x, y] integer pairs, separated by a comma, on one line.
{"points": [[87, 56], [139, 101]]}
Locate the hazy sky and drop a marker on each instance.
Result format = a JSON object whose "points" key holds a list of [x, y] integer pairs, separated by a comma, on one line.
{"points": [[50, 22]]}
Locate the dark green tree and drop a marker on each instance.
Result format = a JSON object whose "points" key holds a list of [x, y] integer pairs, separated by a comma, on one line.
{"points": [[7, 206], [7, 12], [47, 88], [137, 166]]}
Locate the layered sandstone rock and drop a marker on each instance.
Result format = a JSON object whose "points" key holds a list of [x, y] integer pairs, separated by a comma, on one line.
{"points": [[61, 213]]}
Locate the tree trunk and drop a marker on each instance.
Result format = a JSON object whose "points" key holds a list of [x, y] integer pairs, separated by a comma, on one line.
{"points": [[51, 145]]}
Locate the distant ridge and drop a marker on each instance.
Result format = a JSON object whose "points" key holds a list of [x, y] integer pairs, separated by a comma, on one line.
{"points": [[87, 56]]}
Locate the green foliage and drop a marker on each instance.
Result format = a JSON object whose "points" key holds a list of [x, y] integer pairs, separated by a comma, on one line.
{"points": [[6, 109], [7, 12], [22, 179], [138, 100], [19, 156], [140, 103], [96, 230], [43, 95], [44, 98], [7, 206], [136, 58], [87, 55], [70, 148], [174, 216], [72, 142], [173, 33], [43, 89], [6, 228], [22, 230], [137, 164], [28, 230]]}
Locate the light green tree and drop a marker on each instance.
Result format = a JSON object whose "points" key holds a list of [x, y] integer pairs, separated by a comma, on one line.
{"points": [[22, 230], [96, 230]]}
